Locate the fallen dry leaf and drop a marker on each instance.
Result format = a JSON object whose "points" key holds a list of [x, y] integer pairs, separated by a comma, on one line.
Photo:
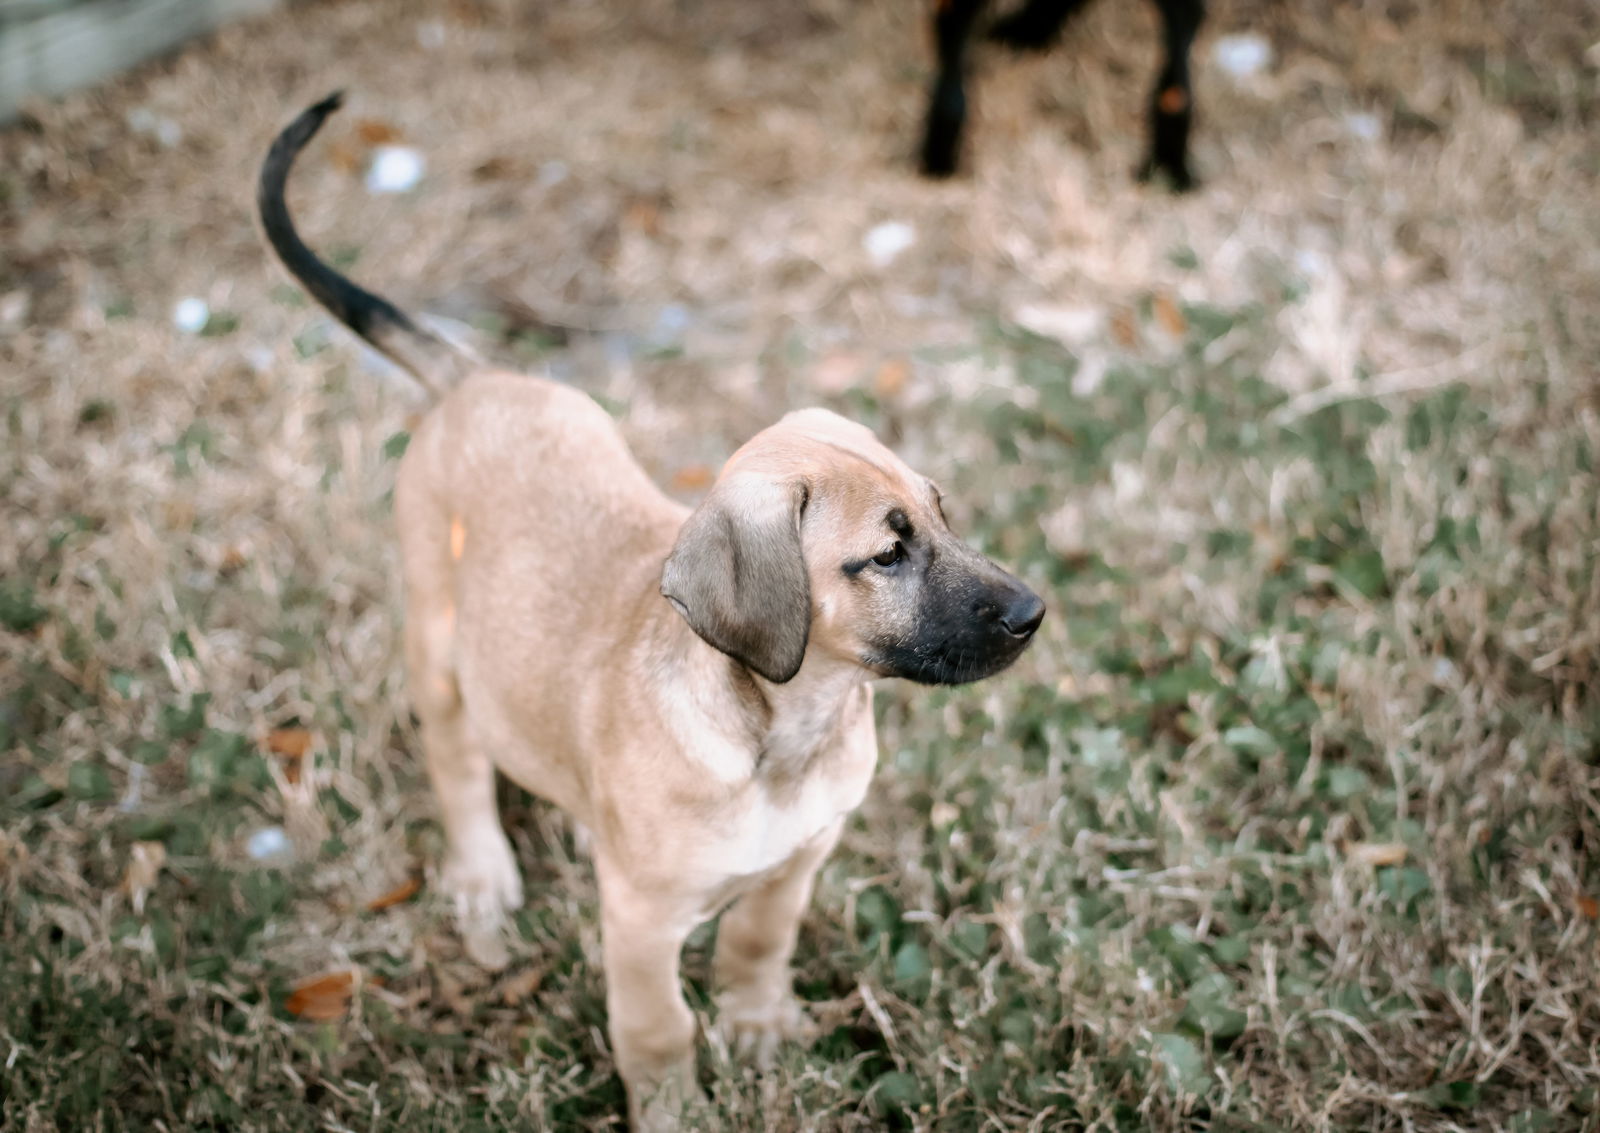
{"points": [[289, 745], [643, 215], [892, 378], [401, 893], [1377, 853], [692, 478], [837, 372], [1168, 314], [452, 992], [1588, 908], [1124, 330], [326, 998], [145, 860], [375, 133], [495, 169], [516, 988], [345, 157]]}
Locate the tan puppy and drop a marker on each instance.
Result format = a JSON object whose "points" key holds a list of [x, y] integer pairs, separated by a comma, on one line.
{"points": [[712, 743]]}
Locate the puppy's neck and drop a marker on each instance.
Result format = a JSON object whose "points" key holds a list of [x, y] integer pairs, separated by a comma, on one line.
{"points": [[805, 713], [764, 730]]}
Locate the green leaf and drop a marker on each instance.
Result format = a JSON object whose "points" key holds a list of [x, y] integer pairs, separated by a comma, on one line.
{"points": [[1363, 572], [89, 781], [1187, 957], [1017, 1026], [1184, 1062], [911, 964], [1101, 747], [1249, 739], [1230, 950], [19, 613], [395, 447], [1183, 257], [181, 723], [1347, 782], [1211, 1007], [219, 324], [877, 913], [896, 1091], [149, 752], [223, 759], [1449, 1095], [1405, 886], [971, 939]]}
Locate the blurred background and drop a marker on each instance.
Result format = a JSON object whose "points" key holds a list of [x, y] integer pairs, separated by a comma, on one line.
{"points": [[1287, 820]]}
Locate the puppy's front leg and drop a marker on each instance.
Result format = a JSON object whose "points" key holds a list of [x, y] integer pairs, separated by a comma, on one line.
{"points": [[757, 1009], [652, 1029]]}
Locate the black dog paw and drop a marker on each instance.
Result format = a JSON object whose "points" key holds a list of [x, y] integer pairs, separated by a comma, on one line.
{"points": [[1026, 30], [1176, 175], [941, 140]]}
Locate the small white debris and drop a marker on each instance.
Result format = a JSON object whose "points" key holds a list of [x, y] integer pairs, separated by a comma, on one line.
{"points": [[394, 169], [261, 359], [267, 843], [430, 34], [1311, 263], [143, 120], [1071, 326], [191, 315], [145, 860], [1445, 674], [1592, 56], [672, 321], [552, 173], [134, 795], [1243, 55], [884, 242], [14, 308], [1365, 126], [1090, 375]]}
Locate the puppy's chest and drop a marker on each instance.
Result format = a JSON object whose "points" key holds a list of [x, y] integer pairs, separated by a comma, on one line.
{"points": [[782, 818]]}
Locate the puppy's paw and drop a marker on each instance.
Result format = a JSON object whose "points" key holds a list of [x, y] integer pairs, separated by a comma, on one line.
{"points": [[1026, 29], [483, 882], [756, 1030], [670, 1107]]}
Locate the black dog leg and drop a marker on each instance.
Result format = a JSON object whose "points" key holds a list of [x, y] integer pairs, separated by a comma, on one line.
{"points": [[1035, 25], [947, 101], [1172, 100]]}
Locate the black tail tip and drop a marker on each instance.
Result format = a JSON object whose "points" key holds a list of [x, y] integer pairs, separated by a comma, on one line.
{"points": [[328, 105]]}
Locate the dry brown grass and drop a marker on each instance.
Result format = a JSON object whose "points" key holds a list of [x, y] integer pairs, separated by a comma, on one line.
{"points": [[1337, 349]]}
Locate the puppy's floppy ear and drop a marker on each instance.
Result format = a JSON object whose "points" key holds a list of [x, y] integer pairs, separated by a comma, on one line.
{"points": [[738, 576]]}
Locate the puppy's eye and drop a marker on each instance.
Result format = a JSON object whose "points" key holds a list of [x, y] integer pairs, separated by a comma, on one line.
{"points": [[893, 555]]}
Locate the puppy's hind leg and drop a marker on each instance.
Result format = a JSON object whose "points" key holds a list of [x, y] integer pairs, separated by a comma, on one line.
{"points": [[479, 872]]}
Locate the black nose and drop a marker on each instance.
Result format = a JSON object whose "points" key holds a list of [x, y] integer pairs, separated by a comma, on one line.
{"points": [[1024, 614]]}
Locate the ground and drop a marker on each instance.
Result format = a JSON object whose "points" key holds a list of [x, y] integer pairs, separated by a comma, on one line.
{"points": [[1288, 820]]}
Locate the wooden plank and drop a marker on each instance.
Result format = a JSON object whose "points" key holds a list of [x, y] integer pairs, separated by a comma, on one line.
{"points": [[90, 42]]}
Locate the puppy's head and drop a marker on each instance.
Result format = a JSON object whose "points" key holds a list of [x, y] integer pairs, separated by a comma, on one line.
{"points": [[817, 538]]}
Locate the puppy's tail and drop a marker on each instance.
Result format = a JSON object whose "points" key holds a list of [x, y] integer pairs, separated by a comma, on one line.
{"points": [[428, 358]]}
